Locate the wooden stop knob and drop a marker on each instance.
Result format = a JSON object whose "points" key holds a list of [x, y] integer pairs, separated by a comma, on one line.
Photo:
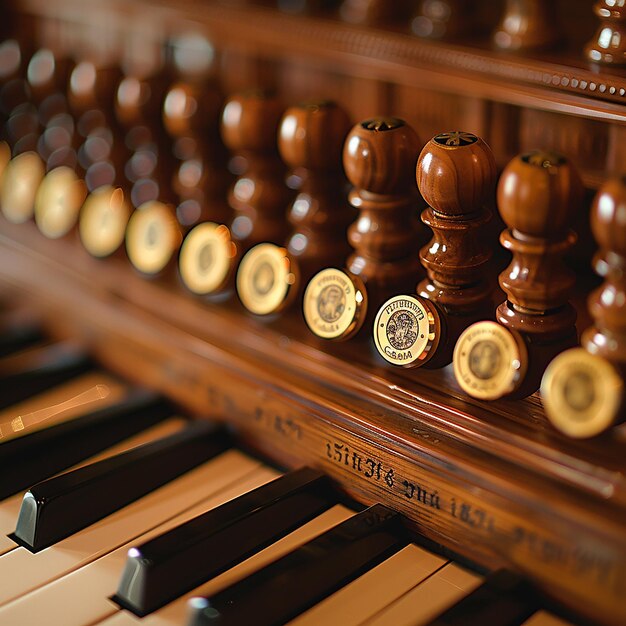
{"points": [[250, 122], [455, 173], [190, 109], [312, 136], [379, 156], [607, 304], [538, 194], [608, 217]]}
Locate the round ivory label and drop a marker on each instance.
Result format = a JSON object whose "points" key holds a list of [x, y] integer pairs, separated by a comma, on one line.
{"points": [[265, 279], [334, 304], [488, 361], [403, 330], [22, 177], [152, 237], [58, 202], [206, 258], [582, 393], [103, 221]]}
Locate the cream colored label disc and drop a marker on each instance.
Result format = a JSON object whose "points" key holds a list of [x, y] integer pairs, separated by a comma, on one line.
{"points": [[103, 221], [265, 279], [403, 330], [582, 393], [334, 304], [152, 237], [206, 258], [20, 182], [488, 361], [58, 201]]}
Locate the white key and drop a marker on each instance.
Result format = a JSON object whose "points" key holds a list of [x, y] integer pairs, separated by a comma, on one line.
{"points": [[175, 613], [429, 599], [21, 571], [372, 592], [82, 597], [542, 618], [85, 393], [10, 507]]}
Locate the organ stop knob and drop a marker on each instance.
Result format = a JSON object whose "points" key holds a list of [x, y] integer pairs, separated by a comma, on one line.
{"points": [[538, 196], [379, 159], [583, 388], [455, 173]]}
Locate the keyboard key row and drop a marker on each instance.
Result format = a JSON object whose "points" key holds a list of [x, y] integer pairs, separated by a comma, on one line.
{"points": [[155, 516]]}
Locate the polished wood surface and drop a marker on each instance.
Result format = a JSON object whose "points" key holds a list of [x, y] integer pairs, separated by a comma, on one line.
{"points": [[310, 140], [607, 304], [494, 482], [379, 159], [259, 198], [456, 174], [609, 44]]}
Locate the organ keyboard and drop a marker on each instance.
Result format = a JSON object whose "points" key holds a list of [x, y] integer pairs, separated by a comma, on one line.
{"points": [[126, 97]]}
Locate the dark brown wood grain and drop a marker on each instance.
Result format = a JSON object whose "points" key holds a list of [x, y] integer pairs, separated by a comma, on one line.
{"points": [[510, 490], [538, 196], [609, 42], [528, 24], [310, 141], [456, 174], [379, 158], [494, 482], [607, 304], [259, 196]]}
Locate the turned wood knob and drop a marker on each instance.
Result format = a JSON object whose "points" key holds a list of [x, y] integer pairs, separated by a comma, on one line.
{"points": [[47, 78], [311, 141], [379, 156], [456, 172], [191, 109], [607, 304], [191, 114], [609, 43], [583, 388], [444, 19], [528, 24], [250, 123], [538, 195], [312, 135], [379, 159], [259, 197]]}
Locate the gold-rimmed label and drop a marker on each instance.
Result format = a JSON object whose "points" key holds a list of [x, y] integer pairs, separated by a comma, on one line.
{"points": [[58, 202], [488, 361], [152, 237], [404, 330], [582, 393], [206, 258], [334, 304], [22, 177], [266, 279], [103, 220]]}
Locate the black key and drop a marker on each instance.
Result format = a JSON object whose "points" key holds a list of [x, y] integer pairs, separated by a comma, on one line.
{"points": [[177, 561], [17, 337], [34, 457], [63, 505], [504, 599], [57, 364], [293, 584]]}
